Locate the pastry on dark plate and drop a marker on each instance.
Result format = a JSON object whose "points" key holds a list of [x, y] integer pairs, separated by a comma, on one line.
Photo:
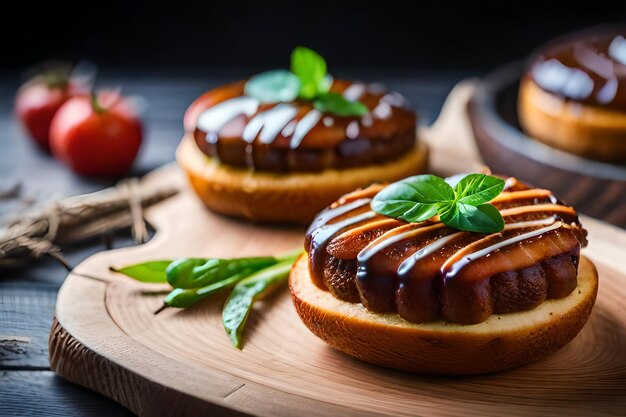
{"points": [[427, 297], [270, 149], [573, 96]]}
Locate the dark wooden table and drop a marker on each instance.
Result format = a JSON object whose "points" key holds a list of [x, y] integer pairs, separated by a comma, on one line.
{"points": [[27, 296]]}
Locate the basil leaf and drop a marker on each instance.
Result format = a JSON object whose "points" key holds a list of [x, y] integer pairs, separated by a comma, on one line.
{"points": [[239, 303], [413, 199], [310, 68], [476, 189], [273, 86], [153, 271], [484, 218], [337, 104]]}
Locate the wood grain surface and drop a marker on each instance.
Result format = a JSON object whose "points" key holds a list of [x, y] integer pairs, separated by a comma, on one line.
{"points": [[106, 338]]}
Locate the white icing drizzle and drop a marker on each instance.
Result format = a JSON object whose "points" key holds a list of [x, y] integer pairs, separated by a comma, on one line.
{"points": [[537, 208], [211, 137], [530, 223], [352, 131], [253, 127], [328, 121], [354, 92], [410, 262], [385, 240], [390, 238], [304, 126], [509, 182], [216, 117], [535, 193], [382, 110], [457, 265], [288, 130], [332, 213], [326, 232], [269, 123], [395, 99], [617, 49]]}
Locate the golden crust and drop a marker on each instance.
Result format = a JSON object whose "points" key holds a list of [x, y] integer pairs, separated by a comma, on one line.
{"points": [[293, 198], [502, 342], [584, 130]]}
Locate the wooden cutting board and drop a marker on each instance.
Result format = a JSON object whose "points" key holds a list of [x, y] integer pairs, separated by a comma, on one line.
{"points": [[106, 338]]}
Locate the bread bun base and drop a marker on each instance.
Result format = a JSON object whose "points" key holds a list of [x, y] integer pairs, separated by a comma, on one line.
{"points": [[283, 198], [588, 131], [503, 341]]}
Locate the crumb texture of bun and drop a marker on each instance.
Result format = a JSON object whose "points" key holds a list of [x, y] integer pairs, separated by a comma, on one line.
{"points": [[286, 198], [501, 342]]}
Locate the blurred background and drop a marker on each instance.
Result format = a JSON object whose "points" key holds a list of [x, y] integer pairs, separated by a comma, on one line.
{"points": [[170, 51], [188, 35]]}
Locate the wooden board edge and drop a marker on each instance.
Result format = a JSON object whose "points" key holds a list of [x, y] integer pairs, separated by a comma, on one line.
{"points": [[108, 359], [77, 363]]}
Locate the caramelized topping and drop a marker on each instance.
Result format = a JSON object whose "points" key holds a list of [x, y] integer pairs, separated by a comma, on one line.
{"points": [[423, 270], [241, 131], [587, 68]]}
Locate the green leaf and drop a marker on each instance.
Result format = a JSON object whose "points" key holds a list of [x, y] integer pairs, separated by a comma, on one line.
{"points": [[465, 207], [337, 104], [310, 68], [476, 189], [239, 303], [483, 218], [199, 272], [183, 298], [153, 271], [273, 86], [413, 199]]}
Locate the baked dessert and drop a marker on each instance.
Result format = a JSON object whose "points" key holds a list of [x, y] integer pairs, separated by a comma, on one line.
{"points": [[285, 158], [573, 96], [426, 297]]}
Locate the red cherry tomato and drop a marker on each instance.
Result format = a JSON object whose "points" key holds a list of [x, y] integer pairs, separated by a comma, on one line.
{"points": [[36, 104], [99, 137]]}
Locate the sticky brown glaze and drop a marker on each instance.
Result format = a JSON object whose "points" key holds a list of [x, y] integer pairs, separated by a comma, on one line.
{"points": [[427, 271], [588, 67], [294, 137]]}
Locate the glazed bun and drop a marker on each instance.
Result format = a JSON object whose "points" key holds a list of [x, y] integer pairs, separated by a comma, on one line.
{"points": [[284, 162], [573, 96], [588, 131], [503, 341], [294, 197]]}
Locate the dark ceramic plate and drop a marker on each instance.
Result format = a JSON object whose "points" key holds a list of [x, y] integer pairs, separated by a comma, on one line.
{"points": [[594, 188]]}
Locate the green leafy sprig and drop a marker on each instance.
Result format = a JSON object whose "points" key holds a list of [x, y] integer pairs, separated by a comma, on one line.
{"points": [[464, 205], [308, 80], [194, 279]]}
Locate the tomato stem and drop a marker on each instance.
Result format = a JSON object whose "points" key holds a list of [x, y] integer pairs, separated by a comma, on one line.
{"points": [[56, 75], [95, 104], [56, 81]]}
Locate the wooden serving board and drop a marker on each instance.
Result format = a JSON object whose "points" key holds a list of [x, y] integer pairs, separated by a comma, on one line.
{"points": [[106, 338]]}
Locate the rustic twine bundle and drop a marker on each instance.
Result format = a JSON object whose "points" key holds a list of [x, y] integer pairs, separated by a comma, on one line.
{"points": [[78, 218]]}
